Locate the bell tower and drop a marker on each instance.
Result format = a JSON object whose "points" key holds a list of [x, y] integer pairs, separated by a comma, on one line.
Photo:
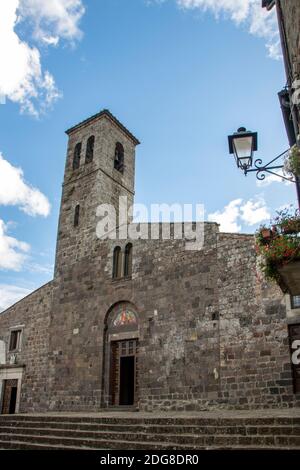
{"points": [[100, 168]]}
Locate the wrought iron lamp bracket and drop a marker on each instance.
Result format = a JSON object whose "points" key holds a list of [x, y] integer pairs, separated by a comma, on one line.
{"points": [[262, 169]]}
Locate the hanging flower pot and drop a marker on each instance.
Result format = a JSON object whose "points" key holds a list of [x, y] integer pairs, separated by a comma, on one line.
{"points": [[279, 251], [266, 233], [292, 162]]}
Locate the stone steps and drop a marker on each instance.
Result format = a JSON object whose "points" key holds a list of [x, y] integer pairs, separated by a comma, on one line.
{"points": [[222, 442], [98, 438], [157, 433], [85, 443], [135, 419], [18, 445], [45, 427], [34, 446]]}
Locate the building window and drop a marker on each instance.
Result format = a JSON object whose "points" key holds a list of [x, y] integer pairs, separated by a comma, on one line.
{"points": [[117, 262], [76, 215], [15, 340], [119, 157], [128, 260], [77, 154], [295, 301], [89, 155]]}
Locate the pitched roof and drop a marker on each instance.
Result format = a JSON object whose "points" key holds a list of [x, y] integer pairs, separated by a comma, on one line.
{"points": [[107, 113]]}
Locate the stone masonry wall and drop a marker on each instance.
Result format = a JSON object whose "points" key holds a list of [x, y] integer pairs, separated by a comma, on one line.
{"points": [[254, 350], [211, 334], [34, 313], [291, 15]]}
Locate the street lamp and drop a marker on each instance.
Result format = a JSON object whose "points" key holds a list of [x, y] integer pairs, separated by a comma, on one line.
{"points": [[242, 144]]}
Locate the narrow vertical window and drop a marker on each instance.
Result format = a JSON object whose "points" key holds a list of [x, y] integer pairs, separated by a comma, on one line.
{"points": [[89, 154], [128, 260], [77, 154], [117, 262], [119, 157], [15, 340], [76, 215]]}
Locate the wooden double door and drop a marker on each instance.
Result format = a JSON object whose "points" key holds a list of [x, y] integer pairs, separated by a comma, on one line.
{"points": [[124, 372], [10, 396]]}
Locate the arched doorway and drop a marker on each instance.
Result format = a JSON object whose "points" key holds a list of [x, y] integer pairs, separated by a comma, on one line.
{"points": [[121, 352]]}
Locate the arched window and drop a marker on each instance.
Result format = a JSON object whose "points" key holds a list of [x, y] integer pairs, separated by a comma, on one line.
{"points": [[117, 262], [119, 157], [77, 154], [128, 260], [76, 215], [89, 154]]}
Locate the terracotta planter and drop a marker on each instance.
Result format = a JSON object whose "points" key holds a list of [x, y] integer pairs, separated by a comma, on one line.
{"points": [[266, 233], [290, 277]]}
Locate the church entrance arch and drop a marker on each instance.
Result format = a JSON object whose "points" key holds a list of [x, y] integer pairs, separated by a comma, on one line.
{"points": [[121, 355]]}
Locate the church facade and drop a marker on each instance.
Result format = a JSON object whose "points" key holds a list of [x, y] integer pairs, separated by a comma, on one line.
{"points": [[143, 324]]}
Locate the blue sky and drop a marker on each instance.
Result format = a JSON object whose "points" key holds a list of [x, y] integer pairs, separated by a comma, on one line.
{"points": [[180, 78]]}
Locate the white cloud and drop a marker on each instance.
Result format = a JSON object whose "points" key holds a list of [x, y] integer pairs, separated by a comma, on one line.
{"points": [[22, 79], [13, 253], [228, 217], [254, 212], [250, 13], [53, 19], [238, 213], [14, 191], [10, 294]]}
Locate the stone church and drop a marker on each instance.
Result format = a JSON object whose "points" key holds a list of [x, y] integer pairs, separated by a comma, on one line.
{"points": [[143, 324]]}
